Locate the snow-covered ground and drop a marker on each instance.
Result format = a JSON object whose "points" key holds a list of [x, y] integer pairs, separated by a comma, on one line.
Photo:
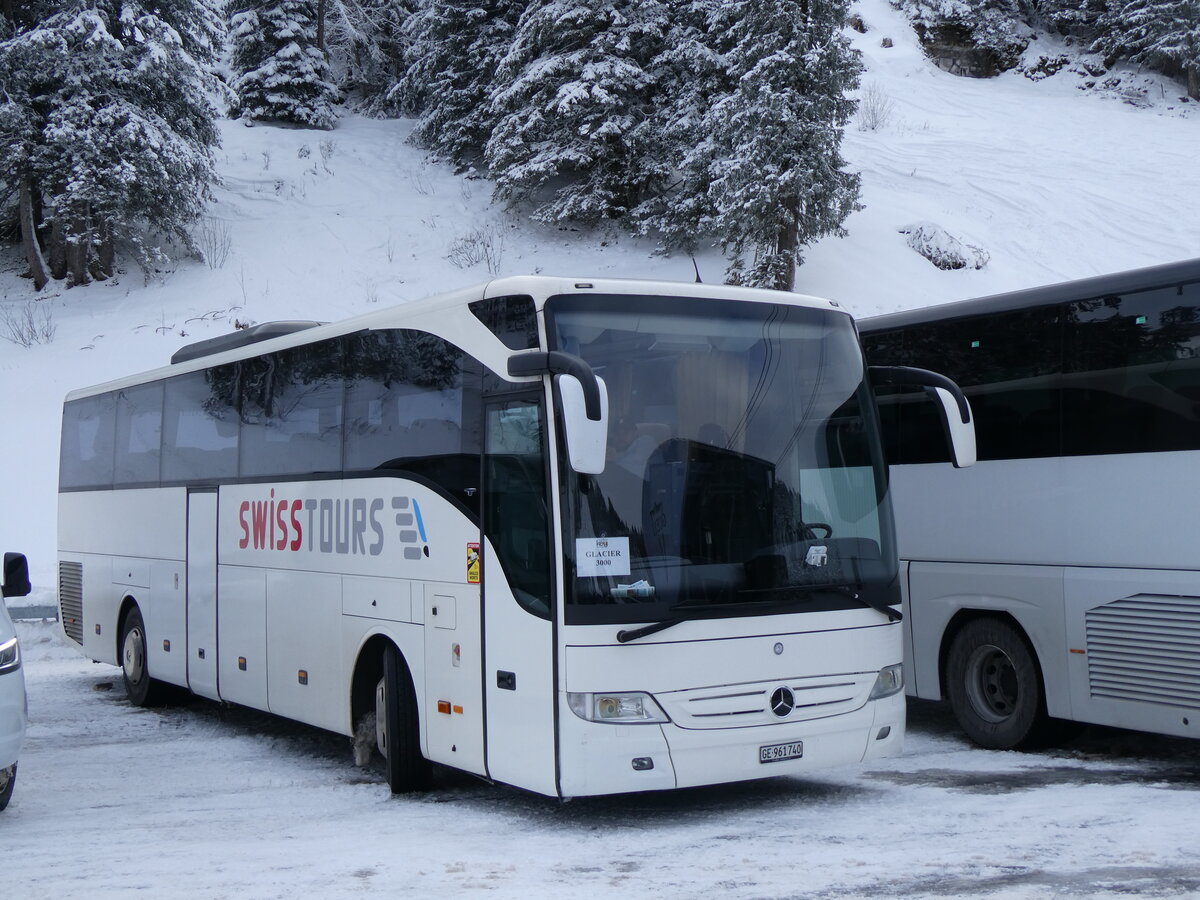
{"points": [[199, 801]]}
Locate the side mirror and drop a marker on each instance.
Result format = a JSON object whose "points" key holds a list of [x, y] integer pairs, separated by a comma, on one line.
{"points": [[955, 409], [584, 400], [586, 438], [16, 576]]}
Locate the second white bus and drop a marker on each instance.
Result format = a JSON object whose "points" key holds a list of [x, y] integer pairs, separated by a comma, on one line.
{"points": [[1059, 579]]}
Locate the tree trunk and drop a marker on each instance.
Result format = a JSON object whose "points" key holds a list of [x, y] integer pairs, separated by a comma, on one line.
{"points": [[321, 25], [78, 246], [789, 236], [29, 237], [1193, 78], [105, 254], [57, 248]]}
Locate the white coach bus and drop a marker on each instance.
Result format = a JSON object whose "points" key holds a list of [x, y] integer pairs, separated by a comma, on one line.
{"points": [[1059, 578], [577, 537]]}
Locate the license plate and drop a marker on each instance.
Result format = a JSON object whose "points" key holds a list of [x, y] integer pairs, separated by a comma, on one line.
{"points": [[778, 752]]}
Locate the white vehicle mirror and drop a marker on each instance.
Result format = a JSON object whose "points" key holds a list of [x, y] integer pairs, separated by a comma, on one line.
{"points": [[586, 439], [960, 434], [957, 419]]}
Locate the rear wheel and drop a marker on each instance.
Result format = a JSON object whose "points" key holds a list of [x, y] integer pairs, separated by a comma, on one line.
{"points": [[141, 689], [8, 780], [398, 733], [995, 687]]}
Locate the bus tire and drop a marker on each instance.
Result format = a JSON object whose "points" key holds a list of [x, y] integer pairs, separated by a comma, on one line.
{"points": [[399, 727], [995, 686], [141, 689], [8, 781]]}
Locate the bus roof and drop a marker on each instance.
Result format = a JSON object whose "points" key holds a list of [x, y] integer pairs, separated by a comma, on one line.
{"points": [[1184, 272], [429, 314]]}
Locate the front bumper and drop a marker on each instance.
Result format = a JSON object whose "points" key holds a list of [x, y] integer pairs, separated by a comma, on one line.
{"points": [[598, 758]]}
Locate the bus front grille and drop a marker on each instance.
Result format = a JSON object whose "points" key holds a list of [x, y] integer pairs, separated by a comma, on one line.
{"points": [[70, 599], [745, 705], [1145, 649]]}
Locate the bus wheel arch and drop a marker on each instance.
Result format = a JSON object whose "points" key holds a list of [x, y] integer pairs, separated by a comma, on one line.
{"points": [[992, 677], [386, 716]]}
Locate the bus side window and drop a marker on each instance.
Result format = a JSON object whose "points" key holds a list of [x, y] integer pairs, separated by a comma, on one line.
{"points": [[200, 425], [87, 443], [1133, 373], [292, 411], [516, 520], [412, 405], [139, 435]]}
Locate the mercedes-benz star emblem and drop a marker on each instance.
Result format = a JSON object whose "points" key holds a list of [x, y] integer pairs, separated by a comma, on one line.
{"points": [[782, 702]]}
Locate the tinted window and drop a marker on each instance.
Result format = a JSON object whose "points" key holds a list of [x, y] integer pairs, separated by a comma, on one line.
{"points": [[517, 521], [512, 319], [292, 411], [1009, 365], [1133, 377], [139, 434], [87, 442], [412, 404], [200, 425]]}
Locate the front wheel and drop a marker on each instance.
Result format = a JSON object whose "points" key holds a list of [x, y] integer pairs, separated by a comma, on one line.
{"points": [[398, 733], [995, 687], [141, 689], [8, 780]]}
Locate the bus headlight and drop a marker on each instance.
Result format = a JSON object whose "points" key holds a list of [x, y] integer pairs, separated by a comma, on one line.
{"points": [[889, 681], [10, 656], [634, 708]]}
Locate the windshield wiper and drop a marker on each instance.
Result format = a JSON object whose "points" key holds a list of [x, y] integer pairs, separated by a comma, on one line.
{"points": [[697, 610], [711, 610]]}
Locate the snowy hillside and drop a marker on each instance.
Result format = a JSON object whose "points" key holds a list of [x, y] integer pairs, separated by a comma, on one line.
{"points": [[1051, 181]]}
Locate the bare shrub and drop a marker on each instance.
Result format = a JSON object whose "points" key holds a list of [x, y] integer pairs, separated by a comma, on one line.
{"points": [[875, 108], [214, 240], [29, 325], [482, 245], [420, 182]]}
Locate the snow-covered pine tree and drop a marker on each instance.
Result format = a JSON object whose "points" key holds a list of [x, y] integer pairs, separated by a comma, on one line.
{"points": [[690, 76], [775, 177], [365, 42], [1164, 34], [280, 73], [569, 96], [106, 130], [454, 49]]}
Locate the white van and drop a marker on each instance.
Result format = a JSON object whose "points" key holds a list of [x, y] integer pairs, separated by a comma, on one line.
{"points": [[12, 681]]}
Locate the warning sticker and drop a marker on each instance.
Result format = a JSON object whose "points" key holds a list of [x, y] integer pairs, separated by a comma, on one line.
{"points": [[472, 564], [601, 556]]}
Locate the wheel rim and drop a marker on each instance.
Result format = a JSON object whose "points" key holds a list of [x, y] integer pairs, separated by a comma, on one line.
{"points": [[992, 688], [381, 717], [133, 658]]}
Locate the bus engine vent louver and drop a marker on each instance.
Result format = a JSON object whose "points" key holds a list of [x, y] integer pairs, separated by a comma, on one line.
{"points": [[70, 599], [1145, 648]]}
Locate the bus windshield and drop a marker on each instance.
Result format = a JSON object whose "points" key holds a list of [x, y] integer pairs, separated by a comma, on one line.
{"points": [[744, 472]]}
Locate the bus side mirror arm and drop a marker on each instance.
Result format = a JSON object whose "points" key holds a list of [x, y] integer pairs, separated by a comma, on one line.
{"points": [[558, 363], [955, 410], [583, 403]]}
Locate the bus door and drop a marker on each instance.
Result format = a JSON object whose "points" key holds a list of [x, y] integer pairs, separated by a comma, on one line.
{"points": [[202, 593], [517, 581]]}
